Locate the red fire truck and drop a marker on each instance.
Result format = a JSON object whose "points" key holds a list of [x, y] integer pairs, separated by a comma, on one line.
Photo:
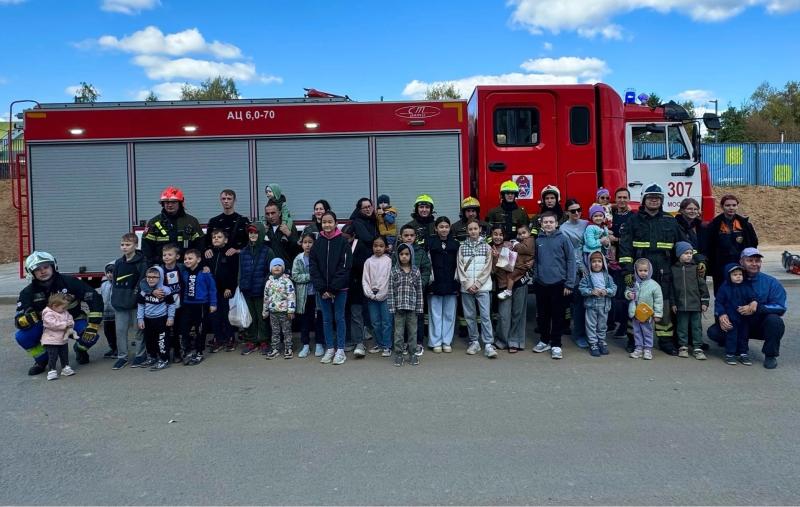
{"points": [[91, 172]]}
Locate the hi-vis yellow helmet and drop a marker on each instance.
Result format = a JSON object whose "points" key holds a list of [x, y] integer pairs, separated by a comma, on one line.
{"points": [[509, 186], [424, 199], [470, 202]]}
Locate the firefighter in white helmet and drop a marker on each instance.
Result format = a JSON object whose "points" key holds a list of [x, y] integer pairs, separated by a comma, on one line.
{"points": [[46, 280]]}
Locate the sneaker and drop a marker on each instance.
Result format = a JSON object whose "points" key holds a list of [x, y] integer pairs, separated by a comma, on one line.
{"points": [[215, 347], [327, 357], [555, 353], [683, 352], [648, 354], [474, 348], [437, 349], [52, 375], [745, 360], [699, 355], [770, 362], [230, 346], [196, 359], [248, 349], [137, 361], [489, 351], [594, 350], [375, 349], [111, 354], [304, 351], [349, 347], [731, 360], [120, 363], [319, 350], [398, 359], [582, 343], [67, 371], [188, 358], [387, 352], [414, 360], [147, 363], [177, 357], [263, 349], [160, 365], [447, 349], [272, 354], [359, 352], [636, 354], [287, 353], [668, 349], [505, 294], [36, 369], [419, 351], [603, 348], [339, 357], [541, 347]]}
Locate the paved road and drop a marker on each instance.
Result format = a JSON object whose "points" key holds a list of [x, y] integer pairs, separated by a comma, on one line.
{"points": [[456, 430]]}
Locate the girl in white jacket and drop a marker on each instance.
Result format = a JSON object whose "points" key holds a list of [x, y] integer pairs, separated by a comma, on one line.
{"points": [[375, 282], [474, 272]]}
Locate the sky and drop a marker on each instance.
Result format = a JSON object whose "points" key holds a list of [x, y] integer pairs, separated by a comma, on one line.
{"points": [[681, 49]]}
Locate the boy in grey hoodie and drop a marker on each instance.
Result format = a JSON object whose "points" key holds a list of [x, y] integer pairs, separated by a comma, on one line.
{"points": [[155, 313], [554, 272]]}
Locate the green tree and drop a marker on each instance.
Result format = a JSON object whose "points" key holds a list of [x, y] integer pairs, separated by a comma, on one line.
{"points": [[86, 93], [442, 91], [219, 88], [773, 111], [734, 126], [653, 100], [151, 97]]}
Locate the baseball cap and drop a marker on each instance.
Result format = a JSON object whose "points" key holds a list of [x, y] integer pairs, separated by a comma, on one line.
{"points": [[750, 252]]}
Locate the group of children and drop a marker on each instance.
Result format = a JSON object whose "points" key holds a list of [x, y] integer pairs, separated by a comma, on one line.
{"points": [[172, 306]]}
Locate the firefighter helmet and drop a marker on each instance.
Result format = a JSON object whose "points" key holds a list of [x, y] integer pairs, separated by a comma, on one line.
{"points": [[509, 186], [424, 199], [171, 194], [470, 202], [653, 189], [37, 259], [551, 189]]}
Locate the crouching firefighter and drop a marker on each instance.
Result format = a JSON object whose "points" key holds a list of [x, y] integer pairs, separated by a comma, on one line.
{"points": [[46, 280]]}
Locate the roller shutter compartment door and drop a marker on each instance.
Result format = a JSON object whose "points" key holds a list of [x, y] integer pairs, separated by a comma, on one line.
{"points": [[334, 169], [79, 203], [412, 165], [201, 169]]}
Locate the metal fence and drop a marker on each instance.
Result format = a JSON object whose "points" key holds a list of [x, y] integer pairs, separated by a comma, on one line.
{"points": [[769, 164], [17, 146]]}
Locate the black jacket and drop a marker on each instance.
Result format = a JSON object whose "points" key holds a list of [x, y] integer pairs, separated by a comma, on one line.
{"points": [[743, 239], [33, 299], [330, 262], [652, 237], [236, 227], [444, 257], [127, 275], [284, 247], [224, 269], [182, 229]]}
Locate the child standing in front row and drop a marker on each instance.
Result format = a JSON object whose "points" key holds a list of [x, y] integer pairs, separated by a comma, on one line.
{"points": [[170, 255], [731, 295], [645, 292], [689, 300], [306, 297], [109, 326], [57, 326], [524, 247], [279, 307], [443, 249], [474, 268], [198, 297], [597, 289], [254, 261], [375, 285], [405, 302], [156, 314]]}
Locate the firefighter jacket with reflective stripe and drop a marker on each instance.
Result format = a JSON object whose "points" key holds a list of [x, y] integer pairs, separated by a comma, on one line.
{"points": [[33, 300], [182, 229], [652, 237]]}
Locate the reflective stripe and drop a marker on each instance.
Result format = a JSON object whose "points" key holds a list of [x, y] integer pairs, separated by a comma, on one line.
{"points": [[641, 244], [37, 351], [668, 246], [623, 260], [95, 315]]}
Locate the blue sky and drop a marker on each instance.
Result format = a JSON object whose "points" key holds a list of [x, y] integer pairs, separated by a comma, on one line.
{"points": [[688, 49]]}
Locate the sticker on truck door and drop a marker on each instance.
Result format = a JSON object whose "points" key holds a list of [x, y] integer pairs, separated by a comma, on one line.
{"points": [[525, 184]]}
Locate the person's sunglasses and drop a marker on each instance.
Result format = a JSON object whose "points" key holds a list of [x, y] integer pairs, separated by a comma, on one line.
{"points": [[577, 210]]}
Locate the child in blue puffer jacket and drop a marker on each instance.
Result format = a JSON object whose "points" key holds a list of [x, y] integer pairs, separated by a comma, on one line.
{"points": [[731, 295]]}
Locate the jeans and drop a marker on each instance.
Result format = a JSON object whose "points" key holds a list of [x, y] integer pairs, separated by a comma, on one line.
{"points": [[441, 319], [512, 318], [483, 301], [382, 322], [333, 310], [690, 321]]}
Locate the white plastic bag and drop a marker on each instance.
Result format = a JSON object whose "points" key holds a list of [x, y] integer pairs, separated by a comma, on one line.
{"points": [[507, 259], [239, 316]]}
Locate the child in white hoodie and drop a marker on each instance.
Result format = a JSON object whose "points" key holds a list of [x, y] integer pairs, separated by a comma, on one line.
{"points": [[375, 282]]}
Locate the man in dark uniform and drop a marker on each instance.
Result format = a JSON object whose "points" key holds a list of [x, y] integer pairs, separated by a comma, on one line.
{"points": [[234, 224], [172, 225]]}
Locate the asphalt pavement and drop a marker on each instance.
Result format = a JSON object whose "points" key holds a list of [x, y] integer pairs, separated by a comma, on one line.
{"points": [[521, 429]]}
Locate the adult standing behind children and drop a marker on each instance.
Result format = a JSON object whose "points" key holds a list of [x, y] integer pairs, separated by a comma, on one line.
{"points": [[422, 220], [234, 224], [470, 210], [550, 202], [574, 229], [281, 238], [620, 213], [728, 235], [315, 226], [172, 225], [508, 214]]}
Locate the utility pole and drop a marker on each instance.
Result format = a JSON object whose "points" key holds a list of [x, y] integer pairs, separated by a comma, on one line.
{"points": [[716, 113]]}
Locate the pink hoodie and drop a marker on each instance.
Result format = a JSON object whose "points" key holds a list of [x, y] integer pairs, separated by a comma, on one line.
{"points": [[54, 326]]}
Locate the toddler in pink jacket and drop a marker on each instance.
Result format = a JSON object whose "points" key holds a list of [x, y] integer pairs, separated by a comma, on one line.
{"points": [[58, 328]]}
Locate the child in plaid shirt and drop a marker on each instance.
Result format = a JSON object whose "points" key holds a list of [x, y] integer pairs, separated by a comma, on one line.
{"points": [[405, 301]]}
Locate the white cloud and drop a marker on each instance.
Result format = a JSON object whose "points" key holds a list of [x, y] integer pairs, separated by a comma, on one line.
{"points": [[541, 71], [151, 40], [697, 96], [159, 67], [164, 91], [129, 6], [592, 18]]}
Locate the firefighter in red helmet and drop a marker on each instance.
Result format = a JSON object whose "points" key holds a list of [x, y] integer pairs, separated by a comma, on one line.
{"points": [[172, 225]]}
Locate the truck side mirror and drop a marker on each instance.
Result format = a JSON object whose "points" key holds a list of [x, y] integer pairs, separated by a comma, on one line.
{"points": [[711, 121]]}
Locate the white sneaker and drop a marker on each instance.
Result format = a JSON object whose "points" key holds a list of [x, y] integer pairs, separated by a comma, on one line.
{"points": [[339, 357], [447, 349], [52, 375], [636, 354], [359, 351], [541, 347], [419, 351], [648, 354], [490, 351], [437, 349], [504, 294], [555, 353], [474, 348], [319, 350], [304, 351], [327, 357], [67, 371]]}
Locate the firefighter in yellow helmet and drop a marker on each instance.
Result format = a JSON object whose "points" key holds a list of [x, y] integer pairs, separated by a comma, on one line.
{"points": [[509, 215], [422, 219], [470, 209]]}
